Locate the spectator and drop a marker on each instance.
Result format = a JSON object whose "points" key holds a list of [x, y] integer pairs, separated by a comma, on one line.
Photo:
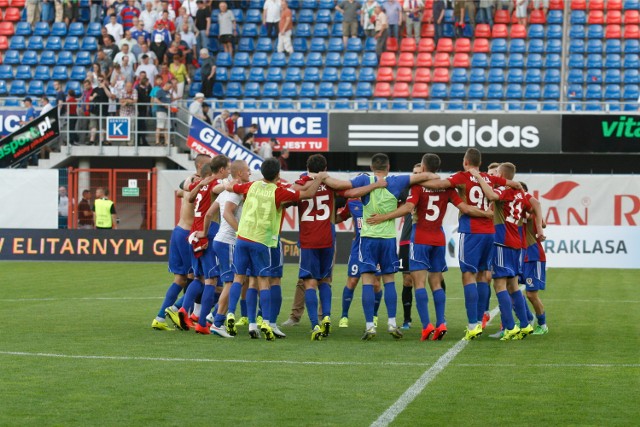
{"points": [[166, 7], [485, 12], [470, 9], [128, 13], [368, 18], [393, 11], [46, 105], [100, 105], [184, 18], [413, 18], [231, 126], [85, 112], [72, 106], [60, 96], [140, 31], [144, 50], [109, 47], [136, 49], [118, 6], [144, 99], [188, 36], [271, 17], [126, 68], [128, 98], [203, 25], [179, 71], [162, 99], [168, 23], [248, 140], [104, 211], [173, 50], [71, 11], [114, 29], [161, 30], [220, 122], [85, 215], [458, 16], [46, 14], [206, 111], [284, 155], [59, 10], [191, 6], [96, 11], [207, 72], [195, 109], [63, 208], [227, 25], [382, 31], [521, 11], [31, 112], [350, 10], [159, 47], [105, 63], [165, 74], [128, 40], [148, 17], [505, 5], [125, 53], [285, 27], [544, 4], [107, 17], [266, 149], [184, 51], [33, 12], [147, 67]]}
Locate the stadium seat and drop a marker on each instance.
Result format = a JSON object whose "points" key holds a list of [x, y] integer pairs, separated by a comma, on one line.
{"points": [[23, 72], [311, 74], [498, 46], [482, 31], [517, 46], [271, 90], [554, 32], [426, 45], [532, 91], [444, 45], [595, 17], [400, 90], [369, 59], [333, 59], [552, 75], [462, 45], [479, 60], [351, 59], [481, 45], [631, 17], [388, 59], [256, 74], [461, 60], [631, 61], [36, 88], [501, 17], [253, 16], [614, 4], [370, 44], [476, 91], [237, 74], [314, 59], [613, 60], [459, 75], [515, 75], [385, 74], [423, 75], [264, 45], [18, 88], [551, 91], [406, 59], [35, 43], [251, 89], [516, 60], [260, 59], [17, 43], [593, 92], [495, 91], [83, 58], [537, 17], [241, 59], [222, 74], [6, 29], [23, 29], [577, 32], [354, 45], [318, 45], [514, 91], [408, 45], [533, 75], [537, 46], [613, 17], [594, 75], [612, 92], [630, 46], [420, 90], [614, 46], [348, 74], [555, 17], [293, 74], [555, 45], [575, 46], [330, 74], [439, 91], [441, 75], [59, 29], [536, 31], [301, 30], [59, 73], [613, 76], [577, 17], [4, 45], [593, 106], [321, 30], [76, 29], [47, 58], [245, 45], [442, 59], [575, 76], [274, 74], [631, 32], [613, 32], [427, 30], [477, 75], [457, 91], [71, 43], [519, 31], [496, 75], [326, 90], [93, 29], [498, 60], [28, 58], [224, 59], [54, 43], [363, 90], [367, 74], [404, 74], [12, 14], [594, 60], [436, 106], [595, 32], [631, 92]]}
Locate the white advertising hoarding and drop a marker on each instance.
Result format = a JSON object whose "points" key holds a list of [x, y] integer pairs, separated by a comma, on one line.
{"points": [[29, 198]]}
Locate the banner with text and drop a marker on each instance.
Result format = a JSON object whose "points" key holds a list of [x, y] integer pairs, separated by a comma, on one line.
{"points": [[296, 131], [206, 140], [10, 119], [29, 139], [610, 133], [442, 133]]}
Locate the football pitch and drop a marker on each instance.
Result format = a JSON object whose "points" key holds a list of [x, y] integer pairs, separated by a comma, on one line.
{"points": [[76, 348]]}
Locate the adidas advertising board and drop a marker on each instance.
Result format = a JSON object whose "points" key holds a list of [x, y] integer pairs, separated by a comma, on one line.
{"points": [[445, 132]]}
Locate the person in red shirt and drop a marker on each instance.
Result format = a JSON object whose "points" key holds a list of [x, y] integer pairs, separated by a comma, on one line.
{"points": [[231, 126], [72, 105], [168, 24]]}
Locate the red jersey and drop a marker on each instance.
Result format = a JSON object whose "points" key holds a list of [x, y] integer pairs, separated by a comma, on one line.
{"points": [[201, 204], [431, 207], [283, 194], [472, 194], [508, 213], [316, 216], [231, 126]]}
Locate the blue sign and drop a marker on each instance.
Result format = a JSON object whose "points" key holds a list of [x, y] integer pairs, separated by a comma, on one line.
{"points": [[206, 140], [295, 131], [118, 129], [10, 120]]}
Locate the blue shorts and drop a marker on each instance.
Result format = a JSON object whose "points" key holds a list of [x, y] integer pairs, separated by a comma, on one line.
{"points": [[316, 263], [427, 257], [535, 275], [475, 252], [179, 252], [277, 261], [206, 265], [224, 252], [251, 258], [506, 262], [353, 266], [376, 252]]}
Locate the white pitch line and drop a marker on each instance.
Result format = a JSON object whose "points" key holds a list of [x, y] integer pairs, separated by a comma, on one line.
{"points": [[429, 375], [553, 365]]}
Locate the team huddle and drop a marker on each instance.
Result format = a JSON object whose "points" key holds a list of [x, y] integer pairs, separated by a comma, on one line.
{"points": [[226, 247]]}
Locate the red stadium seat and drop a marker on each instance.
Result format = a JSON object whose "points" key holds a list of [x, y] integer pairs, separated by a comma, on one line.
{"points": [[502, 17], [445, 45], [6, 29], [427, 16], [483, 30], [4, 3], [441, 75], [596, 4], [18, 3], [537, 17], [595, 17], [426, 45], [463, 45], [12, 14], [423, 75], [631, 32], [519, 31], [614, 5], [481, 45], [613, 17], [556, 5], [382, 90], [385, 74], [461, 60], [420, 90], [428, 30], [400, 90], [442, 59], [4, 43], [428, 4], [406, 59], [613, 32], [387, 59], [424, 60], [631, 17], [392, 44], [578, 5], [408, 45], [499, 31], [404, 74]]}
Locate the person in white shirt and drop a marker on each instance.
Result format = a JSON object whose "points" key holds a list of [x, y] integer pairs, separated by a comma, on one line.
{"points": [[46, 106], [188, 36], [195, 109], [147, 67], [114, 29], [149, 17], [191, 6], [271, 17], [127, 40], [413, 17], [125, 52], [266, 149]]}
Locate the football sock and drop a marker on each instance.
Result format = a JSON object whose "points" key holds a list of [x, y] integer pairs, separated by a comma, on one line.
{"points": [[219, 319], [324, 289], [471, 302], [178, 303], [483, 298], [207, 303], [519, 307], [407, 300], [276, 302], [197, 307], [265, 303], [195, 289], [368, 301], [391, 299], [530, 316], [311, 301], [347, 297], [216, 296], [169, 298], [198, 299], [506, 314], [234, 296], [439, 300], [252, 304], [243, 307], [422, 305], [376, 303], [542, 319]]}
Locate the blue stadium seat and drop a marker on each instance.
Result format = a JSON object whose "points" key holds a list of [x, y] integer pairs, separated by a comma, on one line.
{"points": [[314, 59], [59, 73], [631, 61], [354, 45], [457, 91], [613, 76], [333, 59], [575, 76], [514, 106], [278, 59], [17, 43], [50, 90], [578, 17], [308, 90], [496, 75], [197, 75], [550, 105], [476, 91], [536, 31], [594, 46], [516, 60], [246, 45], [532, 91], [222, 74], [241, 59], [351, 59], [274, 74], [88, 43], [439, 91], [42, 29], [555, 17], [71, 43], [300, 45], [306, 104], [256, 4], [36, 43], [613, 105], [251, 89], [330, 74], [289, 90], [536, 46], [326, 90], [593, 106], [612, 91], [336, 30], [76, 29], [576, 46], [367, 74], [574, 91], [237, 74], [631, 5], [495, 91], [498, 46], [47, 58], [30, 57], [552, 75], [326, 4], [83, 58], [345, 90], [6, 72], [594, 75], [302, 30], [517, 46], [555, 46], [324, 17], [576, 32], [309, 4], [54, 42], [23, 72], [498, 60], [576, 60], [264, 45], [256, 74], [194, 88], [436, 105], [595, 32], [479, 60], [239, 15], [631, 92], [36, 88], [305, 16], [59, 29], [553, 60], [94, 29], [260, 59], [321, 30], [369, 59], [515, 75], [594, 91], [4, 91], [594, 60], [311, 74], [631, 76], [514, 91], [22, 29], [455, 105], [477, 75], [551, 91], [271, 90], [554, 32], [248, 30], [229, 104], [249, 103], [18, 88], [630, 46], [348, 74], [459, 75], [342, 104], [253, 16], [296, 59], [614, 46], [370, 44], [293, 74], [285, 104], [419, 104]]}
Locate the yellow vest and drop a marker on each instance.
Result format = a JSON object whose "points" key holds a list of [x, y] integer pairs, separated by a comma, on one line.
{"points": [[103, 213], [260, 219]]}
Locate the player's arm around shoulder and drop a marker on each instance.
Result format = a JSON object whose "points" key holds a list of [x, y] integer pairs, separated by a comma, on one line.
{"points": [[363, 191], [406, 208], [486, 188], [540, 225]]}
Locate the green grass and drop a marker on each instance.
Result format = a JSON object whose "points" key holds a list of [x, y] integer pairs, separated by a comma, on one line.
{"points": [[586, 371]]}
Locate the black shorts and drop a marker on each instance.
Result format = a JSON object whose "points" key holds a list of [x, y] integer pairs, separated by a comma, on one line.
{"points": [[403, 257], [226, 38]]}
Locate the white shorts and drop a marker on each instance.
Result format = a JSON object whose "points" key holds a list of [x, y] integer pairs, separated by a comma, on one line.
{"points": [[162, 120]]}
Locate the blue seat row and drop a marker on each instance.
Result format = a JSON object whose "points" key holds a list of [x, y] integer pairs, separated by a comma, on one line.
{"points": [[297, 59], [42, 72], [295, 74], [53, 43], [30, 57], [35, 88]]}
